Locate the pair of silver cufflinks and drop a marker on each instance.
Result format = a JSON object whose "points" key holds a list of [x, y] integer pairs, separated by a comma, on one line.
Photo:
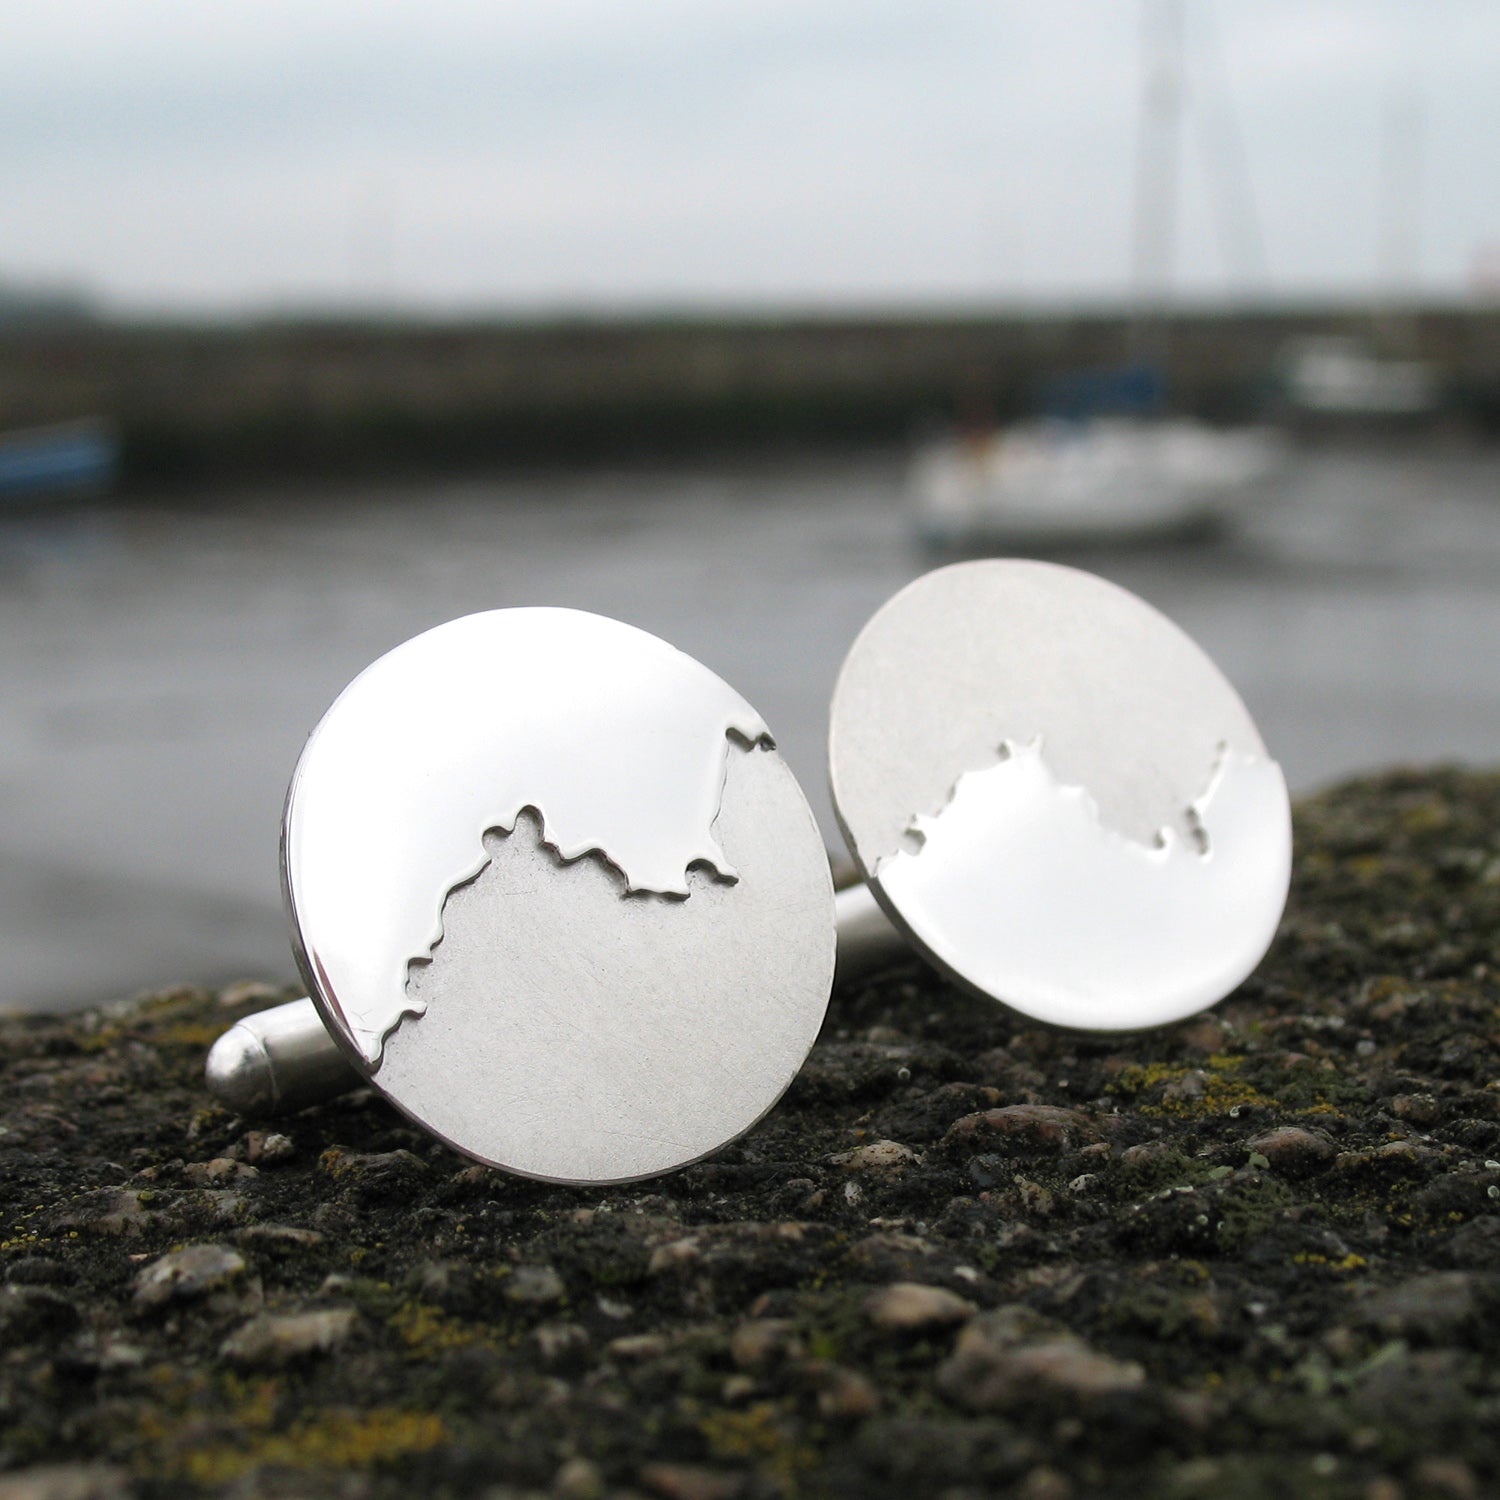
{"points": [[555, 894]]}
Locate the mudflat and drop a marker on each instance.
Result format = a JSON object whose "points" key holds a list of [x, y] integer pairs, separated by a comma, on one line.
{"points": [[163, 658]]}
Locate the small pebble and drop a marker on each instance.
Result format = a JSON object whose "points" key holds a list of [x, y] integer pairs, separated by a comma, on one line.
{"points": [[639, 1346], [1045, 1483], [68, 1482], [578, 1479], [534, 1286], [561, 1344], [911, 1307], [220, 1170], [878, 1156], [187, 1273], [690, 1482], [990, 1372], [1017, 1129], [273, 1340], [1448, 1478], [1294, 1152], [268, 1149], [844, 1394], [755, 1343]]}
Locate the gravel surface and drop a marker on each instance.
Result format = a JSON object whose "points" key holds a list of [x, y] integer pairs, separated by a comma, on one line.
{"points": [[1257, 1254]]}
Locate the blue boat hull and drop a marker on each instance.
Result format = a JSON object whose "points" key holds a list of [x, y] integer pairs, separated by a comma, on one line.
{"points": [[79, 457]]}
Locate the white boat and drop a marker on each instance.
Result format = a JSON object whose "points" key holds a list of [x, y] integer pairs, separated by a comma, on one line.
{"points": [[1045, 485], [1113, 470], [1342, 377]]}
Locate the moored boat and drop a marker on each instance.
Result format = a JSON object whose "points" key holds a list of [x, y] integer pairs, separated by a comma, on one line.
{"points": [[66, 458], [1044, 485]]}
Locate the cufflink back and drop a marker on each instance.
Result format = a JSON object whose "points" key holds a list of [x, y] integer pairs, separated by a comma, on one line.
{"points": [[1056, 797], [555, 894]]}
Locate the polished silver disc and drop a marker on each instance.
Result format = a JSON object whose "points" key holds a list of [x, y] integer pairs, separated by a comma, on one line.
{"points": [[1057, 796], [558, 896]]}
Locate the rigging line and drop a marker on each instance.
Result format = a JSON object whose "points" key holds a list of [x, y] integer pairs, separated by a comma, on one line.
{"points": [[1226, 162], [1156, 173]]}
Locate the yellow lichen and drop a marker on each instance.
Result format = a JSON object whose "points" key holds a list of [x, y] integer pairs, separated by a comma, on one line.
{"points": [[254, 1401], [191, 1034], [1428, 816], [1137, 1078], [1221, 1092], [334, 1439], [761, 1436], [213, 1431], [427, 1330], [1345, 1264], [822, 1344]]}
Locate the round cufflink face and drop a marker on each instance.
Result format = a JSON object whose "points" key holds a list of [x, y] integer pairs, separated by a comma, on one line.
{"points": [[558, 896], [1058, 797]]}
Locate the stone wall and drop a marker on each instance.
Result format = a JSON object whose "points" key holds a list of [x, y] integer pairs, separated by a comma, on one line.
{"points": [[263, 397]]}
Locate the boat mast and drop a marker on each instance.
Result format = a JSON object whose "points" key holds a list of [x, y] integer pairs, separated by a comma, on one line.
{"points": [[1156, 173], [1400, 214]]}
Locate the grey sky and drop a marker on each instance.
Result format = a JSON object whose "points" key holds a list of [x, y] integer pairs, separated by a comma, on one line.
{"points": [[467, 154]]}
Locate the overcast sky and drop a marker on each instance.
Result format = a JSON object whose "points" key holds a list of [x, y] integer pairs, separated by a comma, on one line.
{"points": [[479, 154]]}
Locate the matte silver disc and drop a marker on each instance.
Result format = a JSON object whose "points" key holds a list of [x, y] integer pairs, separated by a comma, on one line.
{"points": [[558, 896], [1057, 796]]}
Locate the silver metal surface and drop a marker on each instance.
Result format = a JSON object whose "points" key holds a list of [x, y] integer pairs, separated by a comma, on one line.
{"points": [[278, 1061], [618, 739], [1057, 796], [867, 942], [557, 896], [281, 1060]]}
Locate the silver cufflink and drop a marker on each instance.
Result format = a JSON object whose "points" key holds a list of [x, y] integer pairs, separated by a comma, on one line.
{"points": [[493, 838], [554, 894], [1057, 798]]}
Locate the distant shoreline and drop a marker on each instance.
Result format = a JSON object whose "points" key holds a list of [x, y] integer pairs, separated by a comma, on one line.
{"points": [[327, 397]]}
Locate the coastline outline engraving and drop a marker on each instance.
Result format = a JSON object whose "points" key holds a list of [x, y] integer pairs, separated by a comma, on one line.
{"points": [[721, 872], [1018, 884], [617, 739]]}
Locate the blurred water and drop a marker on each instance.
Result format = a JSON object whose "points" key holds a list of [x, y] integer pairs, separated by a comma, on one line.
{"points": [[160, 664]]}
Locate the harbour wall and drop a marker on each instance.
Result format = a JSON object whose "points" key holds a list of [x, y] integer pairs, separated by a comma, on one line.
{"points": [[324, 396]]}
